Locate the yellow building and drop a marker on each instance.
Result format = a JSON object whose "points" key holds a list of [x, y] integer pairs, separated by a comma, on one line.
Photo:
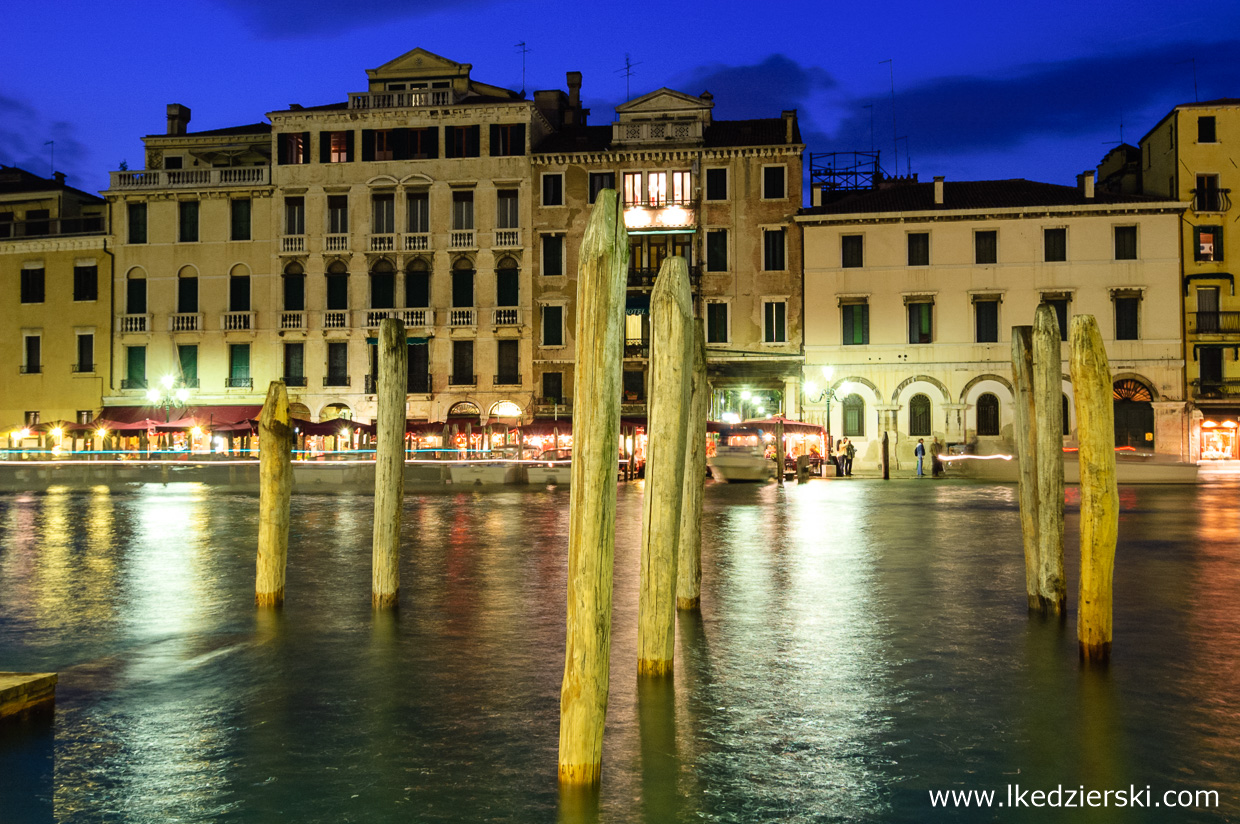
{"points": [[912, 289], [56, 279], [1190, 155]]}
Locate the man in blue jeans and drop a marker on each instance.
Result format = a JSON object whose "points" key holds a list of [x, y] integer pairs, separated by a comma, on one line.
{"points": [[920, 452]]}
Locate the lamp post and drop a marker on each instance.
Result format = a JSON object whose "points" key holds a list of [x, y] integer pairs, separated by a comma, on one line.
{"points": [[827, 393], [167, 395]]}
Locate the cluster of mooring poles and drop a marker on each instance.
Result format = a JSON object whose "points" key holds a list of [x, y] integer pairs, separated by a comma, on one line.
{"points": [[1037, 370]]}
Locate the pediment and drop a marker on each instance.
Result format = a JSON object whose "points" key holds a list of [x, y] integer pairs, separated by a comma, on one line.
{"points": [[416, 63], [664, 101]]}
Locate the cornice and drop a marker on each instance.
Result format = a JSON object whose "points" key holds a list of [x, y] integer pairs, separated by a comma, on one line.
{"points": [[663, 155], [1013, 213], [61, 244]]}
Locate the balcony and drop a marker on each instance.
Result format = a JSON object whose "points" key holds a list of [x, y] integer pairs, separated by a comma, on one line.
{"points": [[554, 406], [336, 319], [401, 100], [192, 178], [644, 278], [381, 243], [507, 380], [461, 239], [239, 383], [508, 316], [1215, 389], [1211, 200], [636, 348], [1213, 323], [336, 380], [293, 320], [418, 242], [185, 322], [237, 321], [336, 243], [52, 227], [656, 218], [657, 131], [462, 380], [134, 324], [294, 380], [507, 238], [461, 317], [420, 383], [293, 244], [30, 369], [417, 317]]}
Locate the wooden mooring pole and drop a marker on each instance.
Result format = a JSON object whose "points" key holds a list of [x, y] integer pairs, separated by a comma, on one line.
{"points": [[1095, 428], [689, 552], [604, 262], [1048, 406], [275, 488], [671, 387], [1026, 458], [389, 464]]}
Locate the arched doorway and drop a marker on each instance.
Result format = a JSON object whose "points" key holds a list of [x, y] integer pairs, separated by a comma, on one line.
{"points": [[1134, 414]]}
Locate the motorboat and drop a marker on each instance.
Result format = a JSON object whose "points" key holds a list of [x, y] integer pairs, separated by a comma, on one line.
{"points": [[741, 464], [554, 467]]}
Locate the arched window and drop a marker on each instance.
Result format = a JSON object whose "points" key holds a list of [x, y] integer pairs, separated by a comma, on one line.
{"points": [[507, 281], [135, 294], [294, 287], [418, 284], [919, 416], [987, 415], [382, 285], [187, 295], [854, 417], [462, 283], [337, 286]]}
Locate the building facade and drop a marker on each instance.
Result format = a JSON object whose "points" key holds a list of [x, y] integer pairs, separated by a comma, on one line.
{"points": [[55, 267], [912, 290]]}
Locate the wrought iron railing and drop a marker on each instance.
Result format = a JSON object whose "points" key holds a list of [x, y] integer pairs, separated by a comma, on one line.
{"points": [[1214, 323]]}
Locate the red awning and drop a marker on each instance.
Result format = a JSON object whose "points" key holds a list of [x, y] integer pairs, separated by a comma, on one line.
{"points": [[122, 418], [790, 427]]}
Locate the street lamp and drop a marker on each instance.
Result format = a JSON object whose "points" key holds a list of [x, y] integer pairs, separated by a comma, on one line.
{"points": [[167, 395], [827, 393]]}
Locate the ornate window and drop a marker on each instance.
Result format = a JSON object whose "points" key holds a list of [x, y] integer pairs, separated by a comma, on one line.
{"points": [[987, 415], [919, 416]]}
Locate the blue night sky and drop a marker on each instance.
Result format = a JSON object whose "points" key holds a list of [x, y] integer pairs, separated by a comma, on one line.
{"points": [[1034, 90]]}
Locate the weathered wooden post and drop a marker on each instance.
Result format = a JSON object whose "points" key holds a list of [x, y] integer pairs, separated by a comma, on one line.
{"points": [[1095, 431], [779, 451], [671, 386], [1048, 394], [389, 464], [275, 487], [886, 457], [604, 260], [1026, 458], [689, 562]]}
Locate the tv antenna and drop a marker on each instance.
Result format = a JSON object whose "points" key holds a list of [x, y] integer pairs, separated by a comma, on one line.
{"points": [[628, 72], [524, 51], [895, 141]]}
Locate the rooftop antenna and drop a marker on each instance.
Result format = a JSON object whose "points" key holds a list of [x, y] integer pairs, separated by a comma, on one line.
{"points": [[870, 106], [524, 51], [51, 163], [1192, 60], [628, 72], [894, 139]]}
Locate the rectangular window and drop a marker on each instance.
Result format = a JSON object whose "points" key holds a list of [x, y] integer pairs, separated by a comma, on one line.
{"points": [[507, 284], [135, 296], [633, 189], [32, 360], [507, 362], [85, 353], [600, 181], [1207, 196], [293, 148], [86, 282], [381, 144], [773, 187], [986, 247], [682, 188], [507, 139], [552, 256], [463, 211], [717, 322], [553, 387], [187, 357], [337, 364], [32, 285], [717, 184], [417, 289], [239, 364], [1054, 245], [1205, 130], [919, 249], [852, 251], [187, 295], [716, 250], [462, 141], [1125, 242], [135, 367], [137, 222], [553, 189], [240, 209], [856, 322], [1208, 243], [295, 361], [337, 214], [419, 368], [382, 290], [920, 322], [383, 214], [774, 328], [423, 144], [294, 215], [1060, 304], [773, 259], [187, 221], [239, 293], [1126, 307], [656, 188], [463, 363], [336, 147], [419, 212], [337, 292], [507, 215], [294, 293], [986, 319], [553, 326]]}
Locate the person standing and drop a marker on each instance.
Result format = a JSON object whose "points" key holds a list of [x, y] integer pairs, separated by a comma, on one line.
{"points": [[849, 452], [840, 456], [920, 452]]}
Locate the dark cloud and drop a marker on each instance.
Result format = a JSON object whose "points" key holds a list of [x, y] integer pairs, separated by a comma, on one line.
{"points": [[288, 20], [761, 90], [24, 136]]}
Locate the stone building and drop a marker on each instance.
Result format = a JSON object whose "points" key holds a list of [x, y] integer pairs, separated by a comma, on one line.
{"points": [[912, 290], [56, 279]]}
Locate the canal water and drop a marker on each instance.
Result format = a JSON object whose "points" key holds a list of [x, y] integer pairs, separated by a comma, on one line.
{"points": [[860, 645]]}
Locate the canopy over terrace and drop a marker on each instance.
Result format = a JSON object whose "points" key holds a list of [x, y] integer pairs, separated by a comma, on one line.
{"points": [[141, 418]]}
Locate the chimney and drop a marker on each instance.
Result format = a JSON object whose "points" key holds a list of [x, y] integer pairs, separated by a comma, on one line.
{"points": [[59, 177], [938, 190], [571, 114], [178, 118], [790, 121], [1085, 183]]}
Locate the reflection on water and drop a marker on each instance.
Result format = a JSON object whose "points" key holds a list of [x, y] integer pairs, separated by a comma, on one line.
{"points": [[859, 644]]}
